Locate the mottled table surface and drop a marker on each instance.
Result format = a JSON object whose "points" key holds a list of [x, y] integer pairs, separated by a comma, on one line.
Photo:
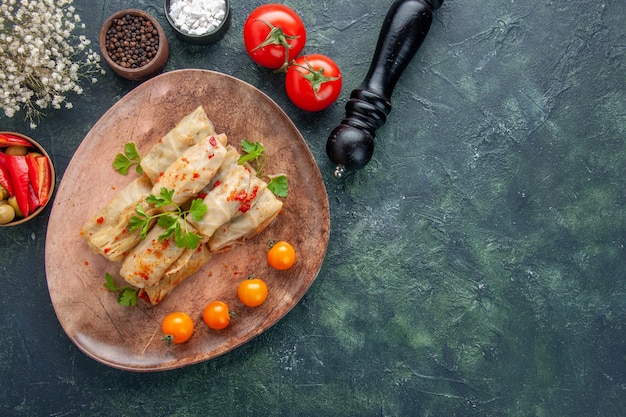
{"points": [[476, 266]]}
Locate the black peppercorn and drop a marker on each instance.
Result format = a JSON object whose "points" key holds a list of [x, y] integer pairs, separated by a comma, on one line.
{"points": [[132, 41]]}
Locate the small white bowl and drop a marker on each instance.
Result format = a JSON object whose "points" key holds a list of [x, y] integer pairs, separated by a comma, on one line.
{"points": [[205, 38]]}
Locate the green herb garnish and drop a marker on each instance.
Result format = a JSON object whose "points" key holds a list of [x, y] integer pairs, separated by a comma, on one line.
{"points": [[278, 185], [254, 154], [128, 295], [130, 157], [169, 220]]}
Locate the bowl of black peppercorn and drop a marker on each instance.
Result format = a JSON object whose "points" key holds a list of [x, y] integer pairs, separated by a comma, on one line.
{"points": [[134, 44]]}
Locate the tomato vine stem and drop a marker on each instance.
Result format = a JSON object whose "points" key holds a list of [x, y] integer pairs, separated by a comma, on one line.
{"points": [[277, 36], [315, 77]]}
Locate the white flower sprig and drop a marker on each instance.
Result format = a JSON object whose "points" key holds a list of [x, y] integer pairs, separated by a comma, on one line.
{"points": [[41, 60]]}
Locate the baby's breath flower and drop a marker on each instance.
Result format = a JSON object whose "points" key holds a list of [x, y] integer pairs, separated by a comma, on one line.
{"points": [[40, 58]]}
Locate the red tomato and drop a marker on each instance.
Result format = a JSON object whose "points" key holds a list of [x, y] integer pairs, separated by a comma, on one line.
{"points": [[313, 82], [274, 35]]}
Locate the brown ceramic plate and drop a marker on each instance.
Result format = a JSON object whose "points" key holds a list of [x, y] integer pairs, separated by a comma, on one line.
{"points": [[129, 337]]}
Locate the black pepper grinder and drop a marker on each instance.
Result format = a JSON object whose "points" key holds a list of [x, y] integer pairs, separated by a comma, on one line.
{"points": [[351, 144]]}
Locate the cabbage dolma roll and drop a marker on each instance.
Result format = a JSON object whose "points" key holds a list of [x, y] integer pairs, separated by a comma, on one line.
{"points": [[231, 160], [193, 170], [234, 195], [147, 262], [190, 130], [188, 264], [106, 231], [247, 225]]}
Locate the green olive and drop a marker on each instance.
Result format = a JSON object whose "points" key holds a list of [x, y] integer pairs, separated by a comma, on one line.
{"points": [[16, 150], [7, 213], [4, 194], [16, 207]]}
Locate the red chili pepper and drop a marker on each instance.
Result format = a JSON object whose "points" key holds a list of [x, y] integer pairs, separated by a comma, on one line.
{"points": [[18, 170], [7, 139], [5, 178]]}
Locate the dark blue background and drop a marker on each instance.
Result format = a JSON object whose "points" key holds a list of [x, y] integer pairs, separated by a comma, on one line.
{"points": [[475, 268]]}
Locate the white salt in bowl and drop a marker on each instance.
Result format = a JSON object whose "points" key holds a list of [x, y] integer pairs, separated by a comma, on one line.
{"points": [[200, 22]]}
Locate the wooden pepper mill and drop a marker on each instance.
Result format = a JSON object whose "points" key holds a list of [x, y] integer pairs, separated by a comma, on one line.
{"points": [[351, 144]]}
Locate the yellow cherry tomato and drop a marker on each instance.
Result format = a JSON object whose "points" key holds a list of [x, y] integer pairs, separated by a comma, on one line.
{"points": [[216, 315], [281, 255], [252, 292], [177, 327]]}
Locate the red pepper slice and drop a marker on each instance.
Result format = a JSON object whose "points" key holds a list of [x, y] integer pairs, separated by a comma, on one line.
{"points": [[33, 200], [5, 178], [7, 139], [18, 170], [5, 181], [32, 170], [43, 179]]}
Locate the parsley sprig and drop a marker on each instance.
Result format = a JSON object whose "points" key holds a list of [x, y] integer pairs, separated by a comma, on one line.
{"points": [[124, 161], [254, 154], [169, 220], [128, 295]]}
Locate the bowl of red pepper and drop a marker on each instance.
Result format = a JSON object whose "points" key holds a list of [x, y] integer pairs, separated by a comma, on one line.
{"points": [[26, 178]]}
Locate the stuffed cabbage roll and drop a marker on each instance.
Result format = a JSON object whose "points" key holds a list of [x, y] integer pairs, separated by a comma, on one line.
{"points": [[106, 231], [193, 170], [247, 225], [147, 262], [190, 130], [188, 264], [231, 160], [231, 197]]}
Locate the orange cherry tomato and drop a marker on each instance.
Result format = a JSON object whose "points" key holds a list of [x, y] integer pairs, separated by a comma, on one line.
{"points": [[281, 255], [252, 292], [177, 327], [216, 315]]}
